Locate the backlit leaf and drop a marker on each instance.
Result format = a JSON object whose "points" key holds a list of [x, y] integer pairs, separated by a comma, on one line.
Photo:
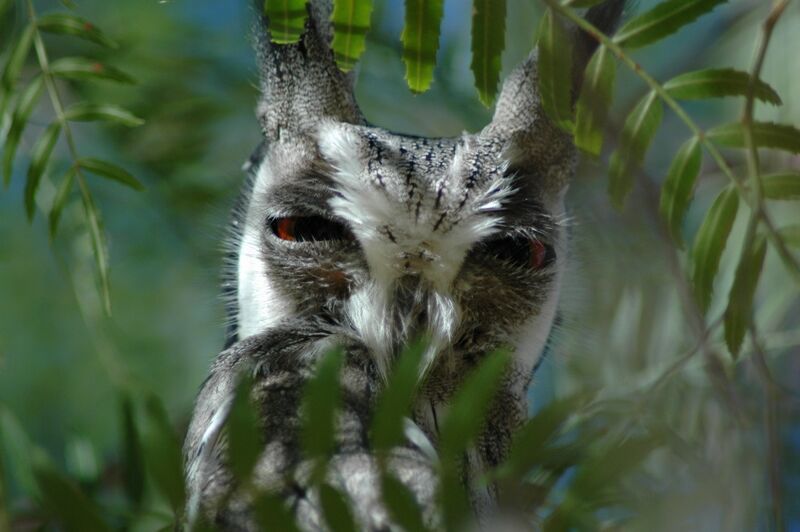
{"points": [[664, 19], [63, 498], [421, 41], [287, 20], [60, 200], [765, 135], [637, 134], [740, 300], [110, 171], [40, 156], [163, 454], [244, 434], [17, 57], [335, 508], [676, 193], [66, 24], [22, 113], [555, 70], [488, 40], [710, 242], [89, 112], [82, 68], [350, 20], [716, 83], [594, 101], [396, 399], [321, 400]]}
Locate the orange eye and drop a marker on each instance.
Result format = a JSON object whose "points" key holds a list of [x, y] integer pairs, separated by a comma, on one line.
{"points": [[538, 254], [309, 228]]}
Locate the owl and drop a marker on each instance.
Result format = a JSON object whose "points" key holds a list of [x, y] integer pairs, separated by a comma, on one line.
{"points": [[350, 235]]}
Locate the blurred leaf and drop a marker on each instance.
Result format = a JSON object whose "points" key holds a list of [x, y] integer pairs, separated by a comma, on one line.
{"points": [[350, 19], [72, 508], [22, 113], [17, 451], [585, 3], [421, 41], [637, 134], [99, 248], [60, 200], [466, 414], [82, 68], [109, 170], [396, 399], [133, 463], [272, 514], [664, 19], [716, 83], [609, 466], [791, 235], [66, 24], [740, 299], [17, 57], [287, 20], [336, 510], [5, 5], [244, 432], [781, 186], [676, 193], [401, 504], [555, 70], [162, 451], [452, 498], [40, 156], [594, 101], [88, 112], [321, 399], [765, 135], [710, 242], [488, 40]]}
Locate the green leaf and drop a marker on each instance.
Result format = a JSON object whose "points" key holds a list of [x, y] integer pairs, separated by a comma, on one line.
{"points": [[716, 83], [740, 299], [396, 399], [421, 41], [132, 454], [287, 20], [350, 20], [40, 156], [82, 68], [66, 24], [60, 201], [336, 510], [321, 399], [22, 113], [637, 134], [109, 170], [676, 193], [272, 514], [17, 451], [765, 135], [163, 454], [99, 248], [72, 508], [244, 432], [17, 57], [89, 112], [710, 242], [664, 19], [594, 101], [790, 235], [401, 504], [781, 186], [555, 70], [488, 41]]}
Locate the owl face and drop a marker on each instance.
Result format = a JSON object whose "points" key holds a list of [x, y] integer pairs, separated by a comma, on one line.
{"points": [[392, 237]]}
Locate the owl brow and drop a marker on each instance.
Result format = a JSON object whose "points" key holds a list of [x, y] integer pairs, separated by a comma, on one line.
{"points": [[309, 196]]}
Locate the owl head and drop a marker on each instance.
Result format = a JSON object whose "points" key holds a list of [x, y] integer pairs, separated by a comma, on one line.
{"points": [[389, 237]]}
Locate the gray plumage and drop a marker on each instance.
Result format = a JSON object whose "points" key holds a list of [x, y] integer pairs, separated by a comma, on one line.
{"points": [[459, 239]]}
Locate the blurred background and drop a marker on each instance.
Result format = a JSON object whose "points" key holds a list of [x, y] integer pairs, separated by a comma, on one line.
{"points": [[624, 331]]}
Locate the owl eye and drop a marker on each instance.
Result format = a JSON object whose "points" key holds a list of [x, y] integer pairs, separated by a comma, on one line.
{"points": [[309, 228], [522, 252]]}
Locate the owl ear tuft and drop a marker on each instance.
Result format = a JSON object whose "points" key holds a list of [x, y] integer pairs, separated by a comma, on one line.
{"points": [[300, 83]]}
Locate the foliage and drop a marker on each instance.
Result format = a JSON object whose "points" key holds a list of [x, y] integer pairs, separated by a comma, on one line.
{"points": [[581, 459]]}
